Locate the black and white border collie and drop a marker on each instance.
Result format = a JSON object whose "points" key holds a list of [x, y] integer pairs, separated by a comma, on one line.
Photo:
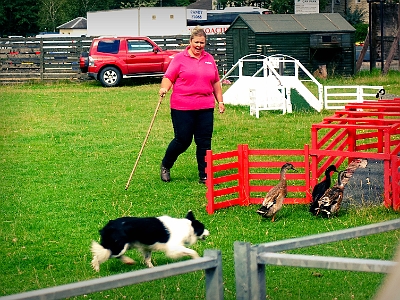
{"points": [[166, 234]]}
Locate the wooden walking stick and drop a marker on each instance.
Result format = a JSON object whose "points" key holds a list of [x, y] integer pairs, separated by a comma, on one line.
{"points": [[144, 142]]}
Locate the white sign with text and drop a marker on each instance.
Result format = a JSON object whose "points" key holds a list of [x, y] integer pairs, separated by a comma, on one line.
{"points": [[196, 14], [306, 6]]}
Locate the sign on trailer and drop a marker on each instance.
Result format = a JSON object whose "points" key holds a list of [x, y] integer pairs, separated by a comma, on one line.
{"points": [[196, 14]]}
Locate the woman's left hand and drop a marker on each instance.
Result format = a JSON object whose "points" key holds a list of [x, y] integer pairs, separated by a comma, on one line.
{"points": [[221, 107]]}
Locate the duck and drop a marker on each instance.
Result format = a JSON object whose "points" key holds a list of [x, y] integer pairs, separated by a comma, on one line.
{"points": [[320, 188], [330, 202], [380, 93], [273, 201]]}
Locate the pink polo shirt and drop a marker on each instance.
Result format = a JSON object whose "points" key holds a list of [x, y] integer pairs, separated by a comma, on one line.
{"points": [[192, 81]]}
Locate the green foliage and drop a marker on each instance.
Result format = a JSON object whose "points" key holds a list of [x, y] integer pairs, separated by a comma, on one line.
{"points": [[361, 32], [282, 6], [354, 16], [139, 3], [18, 17], [239, 3], [67, 152], [323, 4], [287, 6], [24, 17]]}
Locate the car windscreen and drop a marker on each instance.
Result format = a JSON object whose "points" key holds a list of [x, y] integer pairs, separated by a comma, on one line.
{"points": [[108, 46]]}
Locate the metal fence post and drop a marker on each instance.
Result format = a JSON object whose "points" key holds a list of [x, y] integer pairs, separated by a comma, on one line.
{"points": [[214, 282], [249, 275], [258, 288], [242, 270]]}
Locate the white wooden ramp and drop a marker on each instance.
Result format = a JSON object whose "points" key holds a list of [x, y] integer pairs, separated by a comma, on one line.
{"points": [[295, 83]]}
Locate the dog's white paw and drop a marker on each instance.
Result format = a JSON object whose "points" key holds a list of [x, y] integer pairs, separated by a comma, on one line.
{"points": [[95, 264], [148, 263]]}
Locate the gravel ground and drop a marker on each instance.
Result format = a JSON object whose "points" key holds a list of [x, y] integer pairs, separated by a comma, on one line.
{"points": [[365, 186]]}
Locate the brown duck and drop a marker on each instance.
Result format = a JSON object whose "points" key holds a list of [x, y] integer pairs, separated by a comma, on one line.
{"points": [[330, 202], [274, 199]]}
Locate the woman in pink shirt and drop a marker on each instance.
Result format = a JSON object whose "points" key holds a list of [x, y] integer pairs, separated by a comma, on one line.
{"points": [[193, 77]]}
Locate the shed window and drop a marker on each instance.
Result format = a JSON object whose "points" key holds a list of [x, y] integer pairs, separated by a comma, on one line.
{"points": [[327, 39]]}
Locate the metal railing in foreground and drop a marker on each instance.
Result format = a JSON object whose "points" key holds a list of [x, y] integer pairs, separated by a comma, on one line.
{"points": [[250, 260], [211, 263]]}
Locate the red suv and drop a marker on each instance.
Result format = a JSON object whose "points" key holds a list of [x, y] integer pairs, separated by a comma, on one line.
{"points": [[113, 58]]}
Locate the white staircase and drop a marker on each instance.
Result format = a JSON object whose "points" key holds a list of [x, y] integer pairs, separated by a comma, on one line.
{"points": [[271, 91]]}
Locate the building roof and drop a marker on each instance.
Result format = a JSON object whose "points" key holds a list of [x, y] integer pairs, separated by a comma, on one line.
{"points": [[201, 4], [77, 23], [289, 23]]}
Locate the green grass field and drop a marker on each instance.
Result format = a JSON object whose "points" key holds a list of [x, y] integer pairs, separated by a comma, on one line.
{"points": [[67, 150]]}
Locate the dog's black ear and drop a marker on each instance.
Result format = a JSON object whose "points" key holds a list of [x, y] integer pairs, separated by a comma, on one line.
{"points": [[190, 216]]}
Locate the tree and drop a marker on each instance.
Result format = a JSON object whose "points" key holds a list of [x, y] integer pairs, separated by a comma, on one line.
{"points": [[355, 18], [258, 3], [18, 17], [282, 6], [51, 14], [139, 3]]}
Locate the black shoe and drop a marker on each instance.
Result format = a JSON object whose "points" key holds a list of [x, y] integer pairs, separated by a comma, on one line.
{"points": [[203, 180], [164, 174]]}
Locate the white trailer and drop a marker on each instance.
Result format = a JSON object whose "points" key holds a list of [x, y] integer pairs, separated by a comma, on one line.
{"points": [[142, 21]]}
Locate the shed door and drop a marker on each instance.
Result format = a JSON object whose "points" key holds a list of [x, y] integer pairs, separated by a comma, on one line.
{"points": [[240, 47]]}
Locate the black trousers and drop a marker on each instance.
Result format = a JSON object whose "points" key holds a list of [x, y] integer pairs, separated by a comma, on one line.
{"points": [[189, 124]]}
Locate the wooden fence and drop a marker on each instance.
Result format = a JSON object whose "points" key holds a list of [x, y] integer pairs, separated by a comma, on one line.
{"points": [[42, 59]]}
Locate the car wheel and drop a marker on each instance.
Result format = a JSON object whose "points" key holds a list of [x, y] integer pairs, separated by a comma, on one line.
{"points": [[110, 77]]}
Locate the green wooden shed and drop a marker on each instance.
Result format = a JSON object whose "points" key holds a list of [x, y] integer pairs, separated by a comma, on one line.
{"points": [[313, 39]]}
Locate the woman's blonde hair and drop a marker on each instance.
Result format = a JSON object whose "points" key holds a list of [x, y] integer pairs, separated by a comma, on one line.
{"points": [[197, 31]]}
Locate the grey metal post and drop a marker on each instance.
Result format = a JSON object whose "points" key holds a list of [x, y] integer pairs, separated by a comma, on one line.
{"points": [[214, 281], [242, 270], [249, 275], [258, 287]]}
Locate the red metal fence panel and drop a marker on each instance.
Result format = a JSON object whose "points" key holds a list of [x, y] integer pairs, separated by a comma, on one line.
{"points": [[395, 184], [363, 130], [369, 130], [244, 176]]}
